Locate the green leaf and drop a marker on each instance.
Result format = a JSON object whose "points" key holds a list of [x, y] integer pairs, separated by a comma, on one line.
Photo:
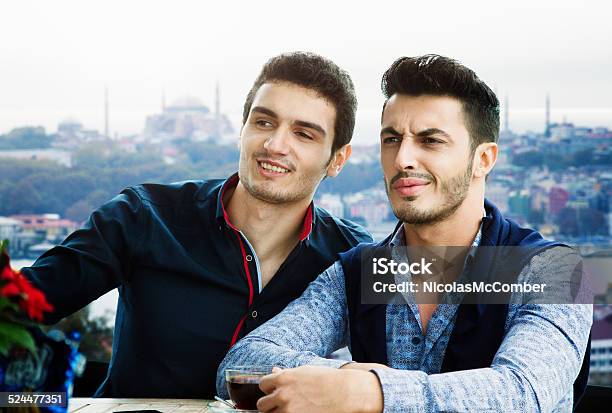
{"points": [[7, 304], [5, 346], [3, 253], [16, 334]]}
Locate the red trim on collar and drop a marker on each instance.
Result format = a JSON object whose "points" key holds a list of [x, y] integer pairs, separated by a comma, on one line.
{"points": [[247, 271], [307, 226], [231, 183]]}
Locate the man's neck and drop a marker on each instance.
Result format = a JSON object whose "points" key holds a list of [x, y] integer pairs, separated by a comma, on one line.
{"points": [[272, 229], [459, 229]]}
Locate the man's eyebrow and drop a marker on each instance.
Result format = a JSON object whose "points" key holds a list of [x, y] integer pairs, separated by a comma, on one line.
{"points": [[265, 111], [311, 125], [389, 130], [302, 123], [432, 131]]}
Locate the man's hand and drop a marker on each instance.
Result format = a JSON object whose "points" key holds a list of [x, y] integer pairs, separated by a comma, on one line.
{"points": [[320, 389]]}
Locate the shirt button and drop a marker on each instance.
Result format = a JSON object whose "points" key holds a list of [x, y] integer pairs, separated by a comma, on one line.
{"points": [[254, 314], [249, 257], [416, 340]]}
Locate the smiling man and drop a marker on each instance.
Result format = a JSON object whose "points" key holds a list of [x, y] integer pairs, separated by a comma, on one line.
{"points": [[199, 264], [439, 132]]}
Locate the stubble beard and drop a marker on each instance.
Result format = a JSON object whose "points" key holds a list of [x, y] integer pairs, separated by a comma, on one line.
{"points": [[454, 192], [267, 191]]}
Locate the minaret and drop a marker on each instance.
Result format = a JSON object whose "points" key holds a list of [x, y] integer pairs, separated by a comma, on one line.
{"points": [[217, 113], [106, 132], [506, 117], [163, 100], [547, 131]]}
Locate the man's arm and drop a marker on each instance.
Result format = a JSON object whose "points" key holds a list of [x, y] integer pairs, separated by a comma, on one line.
{"points": [[92, 260], [534, 368], [308, 329]]}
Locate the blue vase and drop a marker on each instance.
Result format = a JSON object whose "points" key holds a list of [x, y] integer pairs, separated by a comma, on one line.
{"points": [[51, 369]]}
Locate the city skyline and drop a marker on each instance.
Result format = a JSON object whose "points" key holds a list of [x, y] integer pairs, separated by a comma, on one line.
{"points": [[517, 120]]}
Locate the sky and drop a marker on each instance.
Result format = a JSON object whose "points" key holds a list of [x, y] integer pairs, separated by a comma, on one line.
{"points": [[57, 57]]}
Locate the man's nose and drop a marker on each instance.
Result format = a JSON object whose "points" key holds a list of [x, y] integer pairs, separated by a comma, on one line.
{"points": [[406, 158], [278, 141]]}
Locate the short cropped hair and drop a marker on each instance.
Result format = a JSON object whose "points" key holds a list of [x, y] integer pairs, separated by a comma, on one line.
{"points": [[320, 74], [442, 76]]}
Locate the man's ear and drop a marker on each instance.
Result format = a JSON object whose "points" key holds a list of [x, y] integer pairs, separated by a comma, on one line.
{"points": [[485, 157], [338, 160]]}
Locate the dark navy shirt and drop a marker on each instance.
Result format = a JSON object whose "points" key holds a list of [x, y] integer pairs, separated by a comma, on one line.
{"points": [[187, 278]]}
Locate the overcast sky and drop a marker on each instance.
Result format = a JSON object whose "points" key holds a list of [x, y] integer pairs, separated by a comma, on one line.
{"points": [[57, 56]]}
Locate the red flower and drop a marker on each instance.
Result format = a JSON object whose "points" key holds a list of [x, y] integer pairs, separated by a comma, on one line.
{"points": [[17, 283], [10, 290], [31, 300], [35, 303]]}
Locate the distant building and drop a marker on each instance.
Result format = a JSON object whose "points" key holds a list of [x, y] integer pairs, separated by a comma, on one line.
{"points": [[71, 134], [499, 195], [600, 201], [557, 200], [69, 127], [570, 139], [332, 203], [127, 144], [187, 118], [9, 228], [46, 226], [371, 205], [601, 348], [519, 202], [561, 131], [539, 198]]}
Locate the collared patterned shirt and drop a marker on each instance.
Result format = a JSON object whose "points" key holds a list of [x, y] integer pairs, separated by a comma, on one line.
{"points": [[533, 370]]}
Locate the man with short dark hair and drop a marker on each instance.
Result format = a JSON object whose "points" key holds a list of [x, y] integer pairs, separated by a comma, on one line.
{"points": [[199, 264], [457, 351]]}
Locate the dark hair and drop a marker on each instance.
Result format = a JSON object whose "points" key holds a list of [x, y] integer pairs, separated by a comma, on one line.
{"points": [[441, 76], [319, 74]]}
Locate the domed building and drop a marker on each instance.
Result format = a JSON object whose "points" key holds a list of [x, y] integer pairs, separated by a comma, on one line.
{"points": [[71, 134], [187, 104], [187, 118], [69, 127]]}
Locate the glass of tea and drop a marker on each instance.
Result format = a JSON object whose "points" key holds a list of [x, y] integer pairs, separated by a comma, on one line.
{"points": [[243, 385]]}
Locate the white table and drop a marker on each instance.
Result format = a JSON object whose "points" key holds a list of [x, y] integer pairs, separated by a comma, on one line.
{"points": [[101, 405]]}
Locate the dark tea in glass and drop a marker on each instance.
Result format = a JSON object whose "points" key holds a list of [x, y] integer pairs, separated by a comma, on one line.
{"points": [[243, 385]]}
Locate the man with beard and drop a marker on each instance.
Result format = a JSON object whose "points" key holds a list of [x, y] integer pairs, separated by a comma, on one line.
{"points": [[439, 132], [199, 264]]}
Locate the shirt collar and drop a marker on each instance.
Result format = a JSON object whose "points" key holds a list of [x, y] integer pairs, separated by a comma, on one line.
{"points": [[399, 238], [223, 217]]}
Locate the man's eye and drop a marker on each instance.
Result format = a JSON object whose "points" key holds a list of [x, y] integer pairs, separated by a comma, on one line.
{"points": [[392, 139], [431, 141], [304, 135], [263, 123]]}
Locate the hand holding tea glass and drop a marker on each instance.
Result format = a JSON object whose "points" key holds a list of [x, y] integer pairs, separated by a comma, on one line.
{"points": [[316, 389], [243, 385]]}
